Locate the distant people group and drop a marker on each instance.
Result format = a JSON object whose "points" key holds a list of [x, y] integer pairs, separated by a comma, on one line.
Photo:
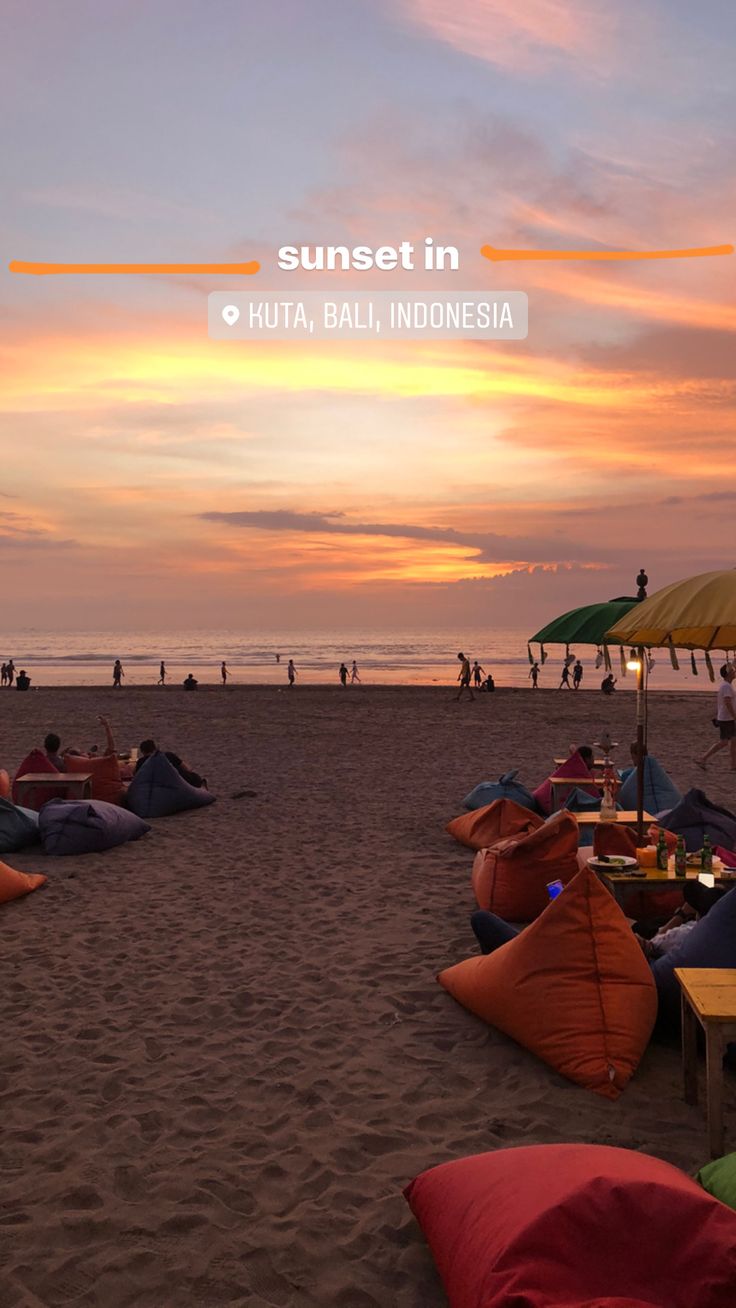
{"points": [[7, 673]]}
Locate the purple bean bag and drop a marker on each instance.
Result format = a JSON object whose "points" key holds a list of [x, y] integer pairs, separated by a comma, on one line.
{"points": [[695, 817], [157, 790], [86, 826]]}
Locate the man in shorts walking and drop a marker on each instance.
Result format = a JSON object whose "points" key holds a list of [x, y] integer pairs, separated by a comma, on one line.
{"points": [[464, 677], [725, 718]]}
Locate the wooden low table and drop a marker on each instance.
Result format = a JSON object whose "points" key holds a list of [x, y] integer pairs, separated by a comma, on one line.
{"points": [[708, 998], [627, 817], [60, 785], [651, 880]]}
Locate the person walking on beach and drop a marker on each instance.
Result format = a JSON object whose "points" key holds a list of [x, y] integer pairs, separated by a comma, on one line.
{"points": [[478, 674], [565, 677], [343, 674], [117, 675], [463, 676], [10, 671], [4, 674], [534, 674], [577, 675], [725, 718], [162, 674], [223, 672], [354, 674], [291, 673], [278, 658]]}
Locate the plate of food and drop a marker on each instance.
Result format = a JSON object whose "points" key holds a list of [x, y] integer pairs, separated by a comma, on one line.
{"points": [[621, 863]]}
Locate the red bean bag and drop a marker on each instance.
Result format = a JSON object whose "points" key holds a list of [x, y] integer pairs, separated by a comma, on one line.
{"points": [[4, 784], [574, 988], [36, 761], [574, 766], [107, 783], [483, 827], [575, 1226], [511, 877], [15, 884]]}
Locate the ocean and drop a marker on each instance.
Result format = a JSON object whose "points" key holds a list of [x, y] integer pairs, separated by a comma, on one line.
{"points": [[75, 658]]}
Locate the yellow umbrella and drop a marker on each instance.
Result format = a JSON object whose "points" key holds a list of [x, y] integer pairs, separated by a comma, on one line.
{"points": [[699, 613]]}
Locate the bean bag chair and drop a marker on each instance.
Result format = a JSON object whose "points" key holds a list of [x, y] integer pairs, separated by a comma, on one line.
{"points": [[510, 879], [86, 826], [614, 838], [574, 766], [507, 787], [660, 791], [15, 884], [4, 784], [695, 817], [574, 988], [504, 817], [711, 943], [36, 761], [157, 790], [719, 1179], [574, 1226], [18, 827], [107, 782]]}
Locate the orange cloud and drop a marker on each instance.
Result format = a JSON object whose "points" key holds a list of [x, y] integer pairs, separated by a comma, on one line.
{"points": [[517, 34]]}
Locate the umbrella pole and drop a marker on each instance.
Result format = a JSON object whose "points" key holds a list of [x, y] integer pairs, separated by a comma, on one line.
{"points": [[641, 746]]}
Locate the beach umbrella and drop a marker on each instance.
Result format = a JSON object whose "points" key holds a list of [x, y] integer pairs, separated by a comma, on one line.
{"points": [[588, 625], [698, 613]]}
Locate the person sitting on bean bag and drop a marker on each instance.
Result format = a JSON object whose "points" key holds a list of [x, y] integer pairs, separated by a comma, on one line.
{"points": [[149, 747]]}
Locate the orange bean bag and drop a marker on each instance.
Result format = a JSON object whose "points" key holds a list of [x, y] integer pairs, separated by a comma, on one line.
{"points": [[483, 827], [614, 838], [574, 988], [4, 784], [511, 877], [15, 884], [107, 782]]}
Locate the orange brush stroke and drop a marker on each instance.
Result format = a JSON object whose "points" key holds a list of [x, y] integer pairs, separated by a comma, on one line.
{"points": [[697, 252], [46, 269]]}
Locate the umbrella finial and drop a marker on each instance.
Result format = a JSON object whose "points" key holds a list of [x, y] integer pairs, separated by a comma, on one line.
{"points": [[642, 582]]}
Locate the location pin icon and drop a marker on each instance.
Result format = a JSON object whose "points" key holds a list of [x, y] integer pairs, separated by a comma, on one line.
{"points": [[231, 313]]}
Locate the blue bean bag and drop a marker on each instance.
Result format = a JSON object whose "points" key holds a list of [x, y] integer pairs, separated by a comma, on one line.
{"points": [[660, 791], [86, 826], [18, 827], [710, 943], [507, 787], [696, 817], [157, 790]]}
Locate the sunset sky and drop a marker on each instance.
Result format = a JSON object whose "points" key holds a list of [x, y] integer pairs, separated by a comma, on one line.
{"points": [[149, 475]]}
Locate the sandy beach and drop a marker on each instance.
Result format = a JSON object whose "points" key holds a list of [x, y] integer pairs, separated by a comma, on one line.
{"points": [[225, 1051]]}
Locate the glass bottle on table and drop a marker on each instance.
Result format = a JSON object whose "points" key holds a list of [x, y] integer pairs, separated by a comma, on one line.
{"points": [[662, 852], [680, 858], [706, 856]]}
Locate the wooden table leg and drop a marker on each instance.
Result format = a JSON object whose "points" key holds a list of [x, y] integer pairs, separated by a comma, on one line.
{"points": [[689, 1052], [714, 1071]]}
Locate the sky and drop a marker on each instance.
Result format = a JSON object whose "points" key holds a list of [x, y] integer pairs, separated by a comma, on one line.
{"points": [[150, 476]]}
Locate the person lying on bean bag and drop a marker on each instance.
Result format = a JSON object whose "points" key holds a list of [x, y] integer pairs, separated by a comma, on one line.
{"points": [[149, 747]]}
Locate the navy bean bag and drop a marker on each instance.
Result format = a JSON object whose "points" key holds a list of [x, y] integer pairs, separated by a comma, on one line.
{"points": [[18, 827], [710, 943], [696, 817], [660, 791], [157, 790], [507, 787], [86, 826]]}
